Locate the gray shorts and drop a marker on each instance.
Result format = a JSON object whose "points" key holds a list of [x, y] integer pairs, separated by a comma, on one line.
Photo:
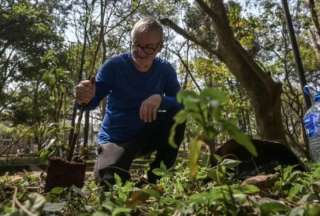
{"points": [[108, 154]]}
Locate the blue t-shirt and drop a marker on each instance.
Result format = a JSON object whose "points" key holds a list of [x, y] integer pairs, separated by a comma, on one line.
{"points": [[127, 88]]}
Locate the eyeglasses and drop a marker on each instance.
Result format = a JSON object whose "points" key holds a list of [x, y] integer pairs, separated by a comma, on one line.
{"points": [[148, 49]]}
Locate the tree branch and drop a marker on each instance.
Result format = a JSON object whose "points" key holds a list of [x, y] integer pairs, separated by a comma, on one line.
{"points": [[15, 202], [124, 18], [206, 46], [4, 47], [187, 69], [207, 9], [314, 16]]}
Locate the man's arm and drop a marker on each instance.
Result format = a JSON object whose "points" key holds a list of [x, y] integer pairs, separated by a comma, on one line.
{"points": [[172, 87], [150, 106], [102, 90], [101, 87]]}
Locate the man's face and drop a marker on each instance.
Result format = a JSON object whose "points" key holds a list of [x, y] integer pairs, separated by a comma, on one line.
{"points": [[145, 47]]}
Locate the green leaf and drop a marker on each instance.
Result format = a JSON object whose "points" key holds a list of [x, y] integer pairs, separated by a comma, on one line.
{"points": [[199, 198], [313, 210], [181, 117], [239, 137], [189, 99], [213, 95], [37, 201], [250, 189], [215, 174], [216, 193], [273, 207], [134, 4], [230, 163], [298, 211], [57, 190], [161, 171], [54, 207], [118, 180], [153, 193], [294, 191], [185, 94], [121, 211], [99, 213], [44, 154], [194, 149]]}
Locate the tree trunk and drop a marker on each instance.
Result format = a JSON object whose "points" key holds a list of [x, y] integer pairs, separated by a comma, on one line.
{"points": [[263, 91]]}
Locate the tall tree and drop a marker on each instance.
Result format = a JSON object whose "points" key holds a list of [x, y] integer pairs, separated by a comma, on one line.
{"points": [[263, 91], [27, 32]]}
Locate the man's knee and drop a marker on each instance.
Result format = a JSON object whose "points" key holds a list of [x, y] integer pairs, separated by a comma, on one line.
{"points": [[108, 156]]}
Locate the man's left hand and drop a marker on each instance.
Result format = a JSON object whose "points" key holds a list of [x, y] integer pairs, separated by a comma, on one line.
{"points": [[149, 108]]}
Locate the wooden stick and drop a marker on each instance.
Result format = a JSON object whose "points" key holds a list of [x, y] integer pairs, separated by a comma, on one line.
{"points": [[15, 202], [75, 135]]}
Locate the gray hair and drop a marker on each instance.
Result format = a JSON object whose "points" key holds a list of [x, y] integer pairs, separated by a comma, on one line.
{"points": [[147, 24]]}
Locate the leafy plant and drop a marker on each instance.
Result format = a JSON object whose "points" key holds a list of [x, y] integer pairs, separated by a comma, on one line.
{"points": [[222, 173], [207, 110]]}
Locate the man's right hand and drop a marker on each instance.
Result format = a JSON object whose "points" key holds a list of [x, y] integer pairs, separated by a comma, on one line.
{"points": [[85, 91]]}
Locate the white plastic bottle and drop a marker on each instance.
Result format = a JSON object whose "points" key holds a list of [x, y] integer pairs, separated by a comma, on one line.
{"points": [[312, 125]]}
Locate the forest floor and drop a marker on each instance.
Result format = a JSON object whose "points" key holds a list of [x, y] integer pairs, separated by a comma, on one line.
{"points": [[208, 191]]}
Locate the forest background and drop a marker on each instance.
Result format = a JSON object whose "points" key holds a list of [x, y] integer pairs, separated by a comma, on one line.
{"points": [[245, 49]]}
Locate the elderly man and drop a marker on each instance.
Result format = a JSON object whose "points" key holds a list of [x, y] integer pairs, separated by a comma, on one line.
{"points": [[141, 90]]}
